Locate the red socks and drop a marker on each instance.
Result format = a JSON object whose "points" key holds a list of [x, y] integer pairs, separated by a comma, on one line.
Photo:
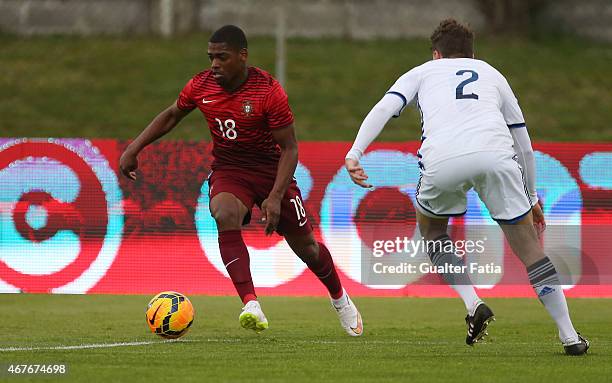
{"points": [[325, 270], [236, 260]]}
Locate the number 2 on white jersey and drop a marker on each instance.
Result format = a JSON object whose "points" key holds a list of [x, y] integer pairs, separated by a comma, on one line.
{"points": [[459, 91]]}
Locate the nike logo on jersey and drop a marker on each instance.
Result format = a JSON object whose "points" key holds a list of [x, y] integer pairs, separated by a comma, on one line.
{"points": [[205, 101]]}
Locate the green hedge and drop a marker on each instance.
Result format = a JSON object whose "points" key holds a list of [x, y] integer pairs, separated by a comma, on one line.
{"points": [[112, 87]]}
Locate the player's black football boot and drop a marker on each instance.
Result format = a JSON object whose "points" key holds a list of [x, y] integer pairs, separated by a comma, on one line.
{"points": [[477, 324], [579, 348]]}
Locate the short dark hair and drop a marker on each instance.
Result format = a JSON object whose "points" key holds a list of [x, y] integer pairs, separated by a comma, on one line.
{"points": [[452, 39], [231, 35]]}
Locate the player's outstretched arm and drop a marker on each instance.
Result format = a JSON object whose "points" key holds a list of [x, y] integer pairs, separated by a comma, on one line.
{"points": [[372, 125], [161, 125], [270, 208], [526, 158]]}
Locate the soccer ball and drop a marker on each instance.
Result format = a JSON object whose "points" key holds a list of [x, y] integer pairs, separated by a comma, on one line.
{"points": [[169, 314]]}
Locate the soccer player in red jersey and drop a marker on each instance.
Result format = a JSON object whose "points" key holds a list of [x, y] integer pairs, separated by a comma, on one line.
{"points": [[254, 157]]}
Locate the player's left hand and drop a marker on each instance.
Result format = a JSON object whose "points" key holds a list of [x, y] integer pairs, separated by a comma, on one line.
{"points": [[358, 175], [270, 210], [538, 218]]}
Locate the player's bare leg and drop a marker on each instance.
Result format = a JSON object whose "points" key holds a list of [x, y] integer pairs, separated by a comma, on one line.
{"points": [[318, 259], [434, 230], [523, 240], [229, 212]]}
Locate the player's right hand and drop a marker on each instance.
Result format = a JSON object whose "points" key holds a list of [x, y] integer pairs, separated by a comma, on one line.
{"points": [[538, 218], [270, 210], [128, 163], [356, 172]]}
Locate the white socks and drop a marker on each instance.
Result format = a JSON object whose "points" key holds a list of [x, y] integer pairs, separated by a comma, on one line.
{"points": [[545, 282], [460, 282]]}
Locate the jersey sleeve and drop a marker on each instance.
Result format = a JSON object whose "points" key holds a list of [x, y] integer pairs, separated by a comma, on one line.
{"points": [[406, 88], [509, 106], [276, 108], [185, 99]]}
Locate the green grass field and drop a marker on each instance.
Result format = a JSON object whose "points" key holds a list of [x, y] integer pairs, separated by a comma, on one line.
{"points": [[112, 87], [406, 339]]}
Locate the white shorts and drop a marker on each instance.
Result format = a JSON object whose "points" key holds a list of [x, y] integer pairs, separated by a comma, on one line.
{"points": [[495, 176]]}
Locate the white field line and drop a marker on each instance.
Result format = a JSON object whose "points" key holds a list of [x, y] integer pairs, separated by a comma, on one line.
{"points": [[239, 340], [209, 340], [94, 345]]}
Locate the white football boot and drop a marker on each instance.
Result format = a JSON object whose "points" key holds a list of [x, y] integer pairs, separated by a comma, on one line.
{"points": [[349, 316], [252, 318]]}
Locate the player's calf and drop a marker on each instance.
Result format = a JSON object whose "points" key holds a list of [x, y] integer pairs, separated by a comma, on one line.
{"points": [[442, 254], [318, 259]]}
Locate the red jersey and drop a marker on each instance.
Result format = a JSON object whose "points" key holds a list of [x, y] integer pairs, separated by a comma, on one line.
{"points": [[240, 122]]}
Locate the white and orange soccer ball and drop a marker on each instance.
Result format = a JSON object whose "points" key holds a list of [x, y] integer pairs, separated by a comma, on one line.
{"points": [[169, 314]]}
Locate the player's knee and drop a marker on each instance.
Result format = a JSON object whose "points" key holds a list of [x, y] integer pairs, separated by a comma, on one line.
{"points": [[309, 252], [227, 218]]}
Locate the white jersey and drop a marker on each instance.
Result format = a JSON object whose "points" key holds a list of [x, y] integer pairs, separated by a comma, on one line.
{"points": [[466, 106]]}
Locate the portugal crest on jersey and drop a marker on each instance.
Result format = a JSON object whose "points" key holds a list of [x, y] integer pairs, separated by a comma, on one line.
{"points": [[247, 107]]}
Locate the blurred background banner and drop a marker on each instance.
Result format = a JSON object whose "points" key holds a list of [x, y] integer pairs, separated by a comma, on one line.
{"points": [[70, 224]]}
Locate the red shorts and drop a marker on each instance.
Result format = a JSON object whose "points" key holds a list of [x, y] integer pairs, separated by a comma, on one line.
{"points": [[253, 188]]}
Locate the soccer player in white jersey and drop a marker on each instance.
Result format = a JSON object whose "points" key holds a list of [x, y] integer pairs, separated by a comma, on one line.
{"points": [[474, 136]]}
